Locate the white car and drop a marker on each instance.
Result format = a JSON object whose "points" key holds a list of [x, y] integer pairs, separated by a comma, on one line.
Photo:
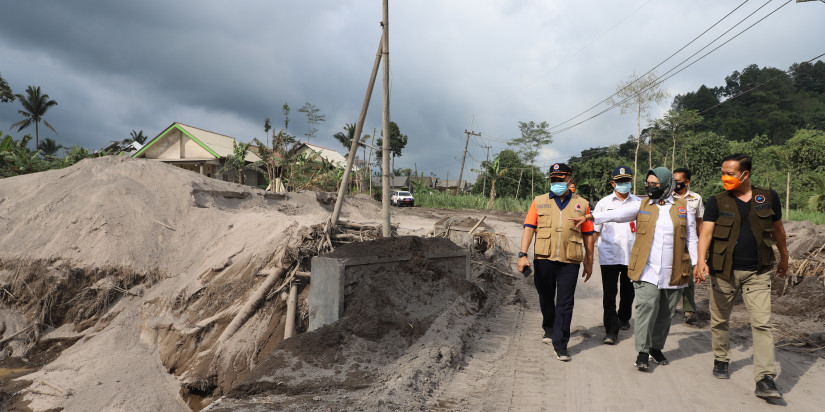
{"points": [[402, 199]]}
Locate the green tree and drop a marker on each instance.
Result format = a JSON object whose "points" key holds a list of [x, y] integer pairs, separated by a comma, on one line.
{"points": [[398, 142], [49, 147], [345, 137], [638, 95], [674, 123], [313, 118], [817, 200], [513, 183], [236, 162], [6, 94], [17, 159], [534, 136], [135, 136], [285, 110], [35, 105], [703, 156], [267, 128]]}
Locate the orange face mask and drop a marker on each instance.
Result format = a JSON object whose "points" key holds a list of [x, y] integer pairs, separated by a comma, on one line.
{"points": [[730, 182]]}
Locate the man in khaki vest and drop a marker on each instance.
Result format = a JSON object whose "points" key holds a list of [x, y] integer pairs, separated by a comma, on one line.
{"points": [[557, 254], [660, 260], [740, 227]]}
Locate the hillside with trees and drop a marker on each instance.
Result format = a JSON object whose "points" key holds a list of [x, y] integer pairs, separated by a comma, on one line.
{"points": [[775, 116]]}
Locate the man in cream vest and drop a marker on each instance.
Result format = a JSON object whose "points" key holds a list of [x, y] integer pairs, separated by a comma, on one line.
{"points": [[659, 266], [559, 250]]}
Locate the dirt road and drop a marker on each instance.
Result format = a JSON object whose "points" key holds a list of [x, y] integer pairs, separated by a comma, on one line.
{"points": [[507, 367]]}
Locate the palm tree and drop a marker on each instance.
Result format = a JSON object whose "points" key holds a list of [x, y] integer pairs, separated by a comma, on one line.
{"points": [[35, 105], [135, 137], [49, 147]]}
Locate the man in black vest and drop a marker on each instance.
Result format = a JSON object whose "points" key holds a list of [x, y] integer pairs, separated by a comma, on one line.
{"points": [[740, 227]]}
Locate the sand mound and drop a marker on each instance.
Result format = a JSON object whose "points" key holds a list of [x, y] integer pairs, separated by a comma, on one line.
{"points": [[143, 264]]}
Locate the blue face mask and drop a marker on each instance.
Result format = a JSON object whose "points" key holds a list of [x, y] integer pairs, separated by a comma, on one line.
{"points": [[624, 188], [558, 188]]}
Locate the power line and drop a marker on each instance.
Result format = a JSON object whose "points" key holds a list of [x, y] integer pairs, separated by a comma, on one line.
{"points": [[670, 57], [661, 80]]}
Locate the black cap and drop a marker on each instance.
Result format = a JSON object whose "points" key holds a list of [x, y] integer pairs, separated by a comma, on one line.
{"points": [[622, 172], [559, 170]]}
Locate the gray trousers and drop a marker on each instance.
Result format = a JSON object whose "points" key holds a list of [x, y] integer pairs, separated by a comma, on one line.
{"points": [[654, 310]]}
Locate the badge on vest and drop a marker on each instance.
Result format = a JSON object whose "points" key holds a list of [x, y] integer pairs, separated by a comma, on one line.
{"points": [[759, 199], [682, 211], [578, 206]]}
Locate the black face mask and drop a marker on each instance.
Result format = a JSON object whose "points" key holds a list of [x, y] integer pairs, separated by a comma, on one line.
{"points": [[679, 186], [654, 191]]}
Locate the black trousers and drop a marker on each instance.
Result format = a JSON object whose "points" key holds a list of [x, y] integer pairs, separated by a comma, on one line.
{"points": [[615, 280], [556, 284]]}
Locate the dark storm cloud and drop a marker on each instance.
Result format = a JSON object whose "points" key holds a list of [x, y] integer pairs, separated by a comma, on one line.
{"points": [[225, 66]]}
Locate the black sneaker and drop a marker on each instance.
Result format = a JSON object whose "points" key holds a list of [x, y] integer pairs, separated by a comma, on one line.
{"points": [[547, 338], [641, 362], [766, 389], [562, 355], [658, 357], [610, 339], [691, 318], [625, 324], [720, 370]]}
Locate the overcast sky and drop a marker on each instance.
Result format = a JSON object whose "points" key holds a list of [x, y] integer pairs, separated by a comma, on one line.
{"points": [[224, 66]]}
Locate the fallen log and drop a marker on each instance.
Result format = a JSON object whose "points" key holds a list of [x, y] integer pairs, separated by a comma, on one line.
{"points": [[252, 303]]}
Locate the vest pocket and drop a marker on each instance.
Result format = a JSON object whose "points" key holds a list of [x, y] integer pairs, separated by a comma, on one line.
{"points": [[686, 264], [574, 248], [634, 256], [542, 246], [718, 258], [642, 222], [722, 228]]}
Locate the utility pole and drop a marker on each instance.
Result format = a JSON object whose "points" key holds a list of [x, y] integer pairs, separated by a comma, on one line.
{"points": [[461, 173], [385, 121], [484, 186]]}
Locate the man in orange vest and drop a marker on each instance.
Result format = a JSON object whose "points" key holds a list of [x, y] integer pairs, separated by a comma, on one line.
{"points": [[741, 226], [558, 254]]}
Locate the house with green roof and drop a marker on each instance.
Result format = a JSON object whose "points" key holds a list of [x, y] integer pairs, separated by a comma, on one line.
{"points": [[198, 150]]}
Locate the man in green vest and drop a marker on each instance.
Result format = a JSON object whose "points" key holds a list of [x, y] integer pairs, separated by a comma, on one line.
{"points": [[557, 254], [660, 260], [740, 227]]}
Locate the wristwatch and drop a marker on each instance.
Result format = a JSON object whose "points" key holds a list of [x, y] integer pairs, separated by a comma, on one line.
{"points": [[522, 254]]}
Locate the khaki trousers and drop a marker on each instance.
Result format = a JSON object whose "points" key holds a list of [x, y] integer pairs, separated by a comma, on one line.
{"points": [[756, 292], [654, 310]]}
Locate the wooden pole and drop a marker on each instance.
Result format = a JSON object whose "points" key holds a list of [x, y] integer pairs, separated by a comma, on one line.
{"points": [[461, 173], [369, 161], [788, 198], [385, 121], [291, 306], [342, 190]]}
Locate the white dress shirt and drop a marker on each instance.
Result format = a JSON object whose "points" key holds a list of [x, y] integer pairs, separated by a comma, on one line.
{"points": [[615, 239], [694, 200], [659, 265]]}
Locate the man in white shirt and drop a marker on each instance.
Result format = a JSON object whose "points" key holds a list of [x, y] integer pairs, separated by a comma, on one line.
{"points": [[614, 242], [681, 190], [660, 261]]}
